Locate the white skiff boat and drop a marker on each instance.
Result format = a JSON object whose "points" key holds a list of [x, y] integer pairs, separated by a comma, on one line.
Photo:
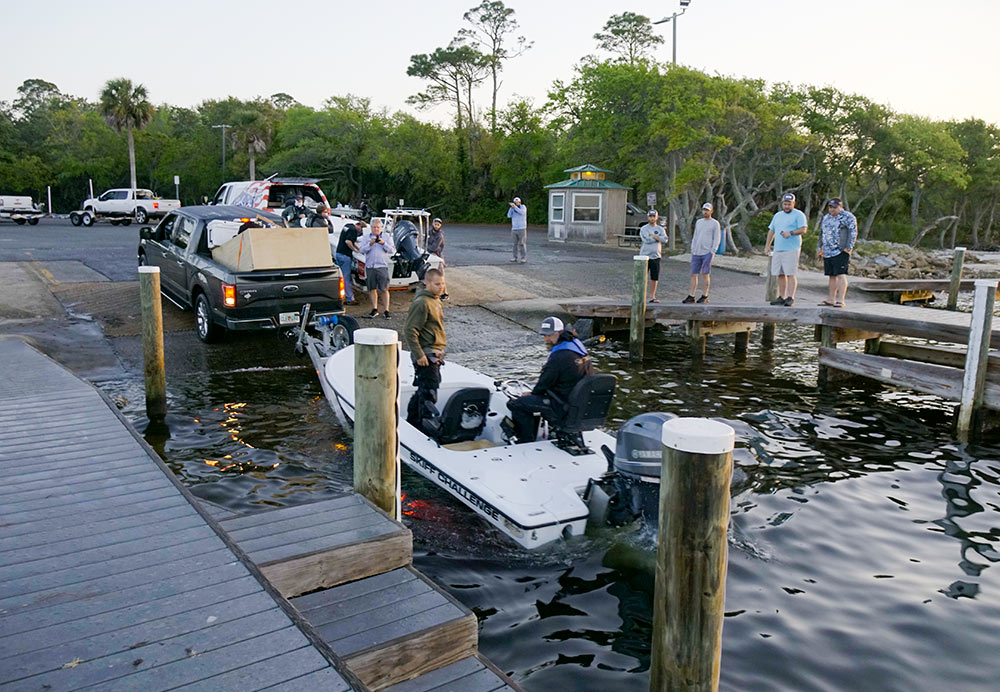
{"points": [[531, 492]]}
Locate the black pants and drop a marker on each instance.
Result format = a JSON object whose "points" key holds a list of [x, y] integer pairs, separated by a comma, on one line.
{"points": [[523, 410], [427, 379]]}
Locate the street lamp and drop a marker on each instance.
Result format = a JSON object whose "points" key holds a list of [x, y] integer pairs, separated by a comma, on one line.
{"points": [[216, 127], [673, 17]]}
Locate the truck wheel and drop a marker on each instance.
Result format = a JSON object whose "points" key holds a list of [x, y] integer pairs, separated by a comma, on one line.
{"points": [[114, 222], [142, 259], [141, 216], [19, 222], [33, 222], [208, 331], [126, 222], [75, 219], [87, 219], [343, 332]]}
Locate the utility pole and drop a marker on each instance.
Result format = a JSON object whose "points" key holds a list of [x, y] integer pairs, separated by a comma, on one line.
{"points": [[216, 127], [673, 18]]}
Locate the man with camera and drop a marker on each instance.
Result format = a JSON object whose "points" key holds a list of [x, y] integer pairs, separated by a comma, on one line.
{"points": [[377, 248]]}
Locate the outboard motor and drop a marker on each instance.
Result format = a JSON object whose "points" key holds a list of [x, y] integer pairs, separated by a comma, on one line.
{"points": [[409, 257], [638, 458]]}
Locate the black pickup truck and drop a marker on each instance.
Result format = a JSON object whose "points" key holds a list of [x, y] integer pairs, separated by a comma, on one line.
{"points": [[223, 299]]}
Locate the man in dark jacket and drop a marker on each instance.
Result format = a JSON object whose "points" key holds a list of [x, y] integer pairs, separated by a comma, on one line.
{"points": [[435, 239], [320, 218], [424, 335], [295, 210], [568, 363]]}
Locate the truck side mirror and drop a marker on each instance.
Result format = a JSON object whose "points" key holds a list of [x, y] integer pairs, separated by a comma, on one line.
{"points": [[146, 233]]}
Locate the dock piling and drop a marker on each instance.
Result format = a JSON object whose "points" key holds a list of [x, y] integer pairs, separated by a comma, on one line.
{"points": [[771, 293], [956, 278], [637, 323], [974, 378], [376, 406], [827, 339], [152, 343], [689, 601]]}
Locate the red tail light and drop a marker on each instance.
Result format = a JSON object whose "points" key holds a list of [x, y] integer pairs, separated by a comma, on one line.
{"points": [[229, 295], [343, 294]]}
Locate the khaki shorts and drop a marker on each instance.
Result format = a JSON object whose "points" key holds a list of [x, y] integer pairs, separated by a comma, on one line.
{"points": [[785, 262]]}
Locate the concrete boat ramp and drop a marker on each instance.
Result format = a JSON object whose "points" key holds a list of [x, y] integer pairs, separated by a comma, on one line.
{"points": [[113, 576]]}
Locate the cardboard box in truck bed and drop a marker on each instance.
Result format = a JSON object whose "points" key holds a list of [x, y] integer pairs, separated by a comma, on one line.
{"points": [[275, 248]]}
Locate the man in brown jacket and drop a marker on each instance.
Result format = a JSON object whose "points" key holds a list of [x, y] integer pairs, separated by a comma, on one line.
{"points": [[425, 339]]}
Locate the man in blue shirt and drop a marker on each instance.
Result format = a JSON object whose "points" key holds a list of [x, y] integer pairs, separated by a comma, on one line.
{"points": [[838, 231], [786, 231], [518, 215]]}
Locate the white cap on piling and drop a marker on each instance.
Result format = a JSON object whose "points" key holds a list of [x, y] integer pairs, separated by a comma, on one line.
{"points": [[989, 283], [376, 337], [640, 257], [147, 269], [698, 436]]}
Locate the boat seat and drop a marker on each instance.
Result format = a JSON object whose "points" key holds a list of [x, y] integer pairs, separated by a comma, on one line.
{"points": [[470, 445], [463, 417], [586, 409]]}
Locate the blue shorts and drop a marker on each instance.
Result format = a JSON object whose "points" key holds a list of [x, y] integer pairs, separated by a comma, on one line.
{"points": [[701, 264]]}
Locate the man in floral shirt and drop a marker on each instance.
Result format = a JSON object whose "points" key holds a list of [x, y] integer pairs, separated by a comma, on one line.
{"points": [[838, 231]]}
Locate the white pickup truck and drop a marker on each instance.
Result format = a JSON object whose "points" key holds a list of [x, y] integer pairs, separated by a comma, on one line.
{"points": [[19, 209], [121, 205]]}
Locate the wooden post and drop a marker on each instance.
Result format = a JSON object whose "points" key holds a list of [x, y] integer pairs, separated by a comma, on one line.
{"points": [[827, 339], [974, 379], [771, 293], [872, 345], [637, 323], [956, 278], [376, 416], [742, 341], [689, 601], [152, 342]]}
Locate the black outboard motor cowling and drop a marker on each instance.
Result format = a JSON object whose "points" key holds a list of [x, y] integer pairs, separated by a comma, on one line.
{"points": [[638, 458], [409, 258]]}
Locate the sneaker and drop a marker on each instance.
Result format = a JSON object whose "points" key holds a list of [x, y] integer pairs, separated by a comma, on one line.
{"points": [[703, 299], [689, 299], [778, 301], [372, 313], [789, 302], [352, 301], [385, 314]]}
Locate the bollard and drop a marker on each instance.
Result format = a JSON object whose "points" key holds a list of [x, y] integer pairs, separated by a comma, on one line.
{"points": [[152, 342], [376, 418], [637, 322], [688, 605], [974, 377], [956, 278]]}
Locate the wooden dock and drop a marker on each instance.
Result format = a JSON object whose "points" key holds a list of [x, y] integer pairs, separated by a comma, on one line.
{"points": [[112, 576]]}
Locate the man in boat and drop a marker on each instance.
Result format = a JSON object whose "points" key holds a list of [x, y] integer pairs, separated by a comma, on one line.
{"points": [[568, 363], [425, 340]]}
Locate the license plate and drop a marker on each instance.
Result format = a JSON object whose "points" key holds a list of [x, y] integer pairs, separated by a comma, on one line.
{"points": [[288, 318]]}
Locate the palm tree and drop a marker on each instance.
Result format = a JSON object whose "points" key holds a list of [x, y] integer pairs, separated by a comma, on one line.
{"points": [[126, 107], [252, 129]]}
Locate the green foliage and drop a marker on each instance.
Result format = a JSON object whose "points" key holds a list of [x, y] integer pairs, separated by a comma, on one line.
{"points": [[628, 35]]}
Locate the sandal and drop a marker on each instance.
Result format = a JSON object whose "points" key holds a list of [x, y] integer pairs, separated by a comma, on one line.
{"points": [[838, 305], [654, 300], [828, 304]]}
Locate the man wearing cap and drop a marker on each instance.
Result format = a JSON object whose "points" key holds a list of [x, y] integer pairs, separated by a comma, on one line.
{"points": [[568, 363], [518, 215], [786, 231], [838, 231], [704, 244], [652, 234], [426, 341], [435, 239]]}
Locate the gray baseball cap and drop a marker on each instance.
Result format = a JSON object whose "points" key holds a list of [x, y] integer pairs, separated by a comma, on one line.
{"points": [[551, 325], [788, 197]]}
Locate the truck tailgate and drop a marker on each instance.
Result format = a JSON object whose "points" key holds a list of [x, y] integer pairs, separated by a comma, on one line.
{"points": [[279, 289]]}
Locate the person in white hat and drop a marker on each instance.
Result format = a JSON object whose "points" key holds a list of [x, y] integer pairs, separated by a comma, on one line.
{"points": [[567, 364], [704, 244], [518, 215]]}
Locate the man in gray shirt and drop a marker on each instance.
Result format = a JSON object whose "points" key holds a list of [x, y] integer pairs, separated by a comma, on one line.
{"points": [[652, 235], [704, 244]]}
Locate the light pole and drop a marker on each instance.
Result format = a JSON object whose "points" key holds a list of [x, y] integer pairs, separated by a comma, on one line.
{"points": [[215, 127], [673, 17]]}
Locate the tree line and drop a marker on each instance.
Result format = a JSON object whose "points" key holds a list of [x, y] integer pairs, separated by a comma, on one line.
{"points": [[689, 136]]}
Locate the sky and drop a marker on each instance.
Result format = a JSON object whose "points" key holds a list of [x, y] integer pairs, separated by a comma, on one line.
{"points": [[934, 59]]}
